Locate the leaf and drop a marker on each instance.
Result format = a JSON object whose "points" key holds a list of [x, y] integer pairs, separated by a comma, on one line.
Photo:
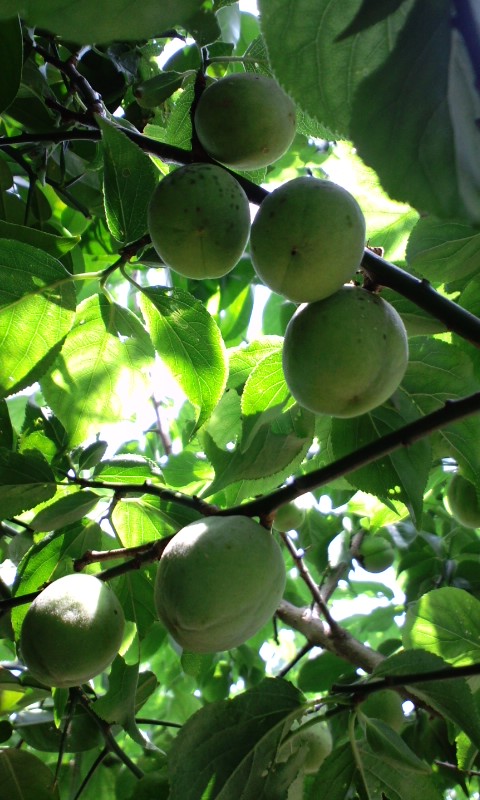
{"points": [[438, 372], [416, 91], [50, 243], [129, 179], [64, 511], [117, 706], [24, 777], [371, 12], [443, 251], [37, 305], [445, 622], [135, 590], [452, 698], [11, 60], [188, 341], [319, 72], [264, 397], [272, 455], [402, 475], [127, 469], [119, 20], [335, 775], [140, 520], [228, 746], [24, 482], [101, 376], [244, 359]]}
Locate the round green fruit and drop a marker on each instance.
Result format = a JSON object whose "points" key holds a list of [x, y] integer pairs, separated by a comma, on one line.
{"points": [[346, 354], [307, 239], [219, 580], [385, 705], [377, 552], [199, 221], [37, 729], [288, 517], [72, 631], [245, 121], [463, 501]]}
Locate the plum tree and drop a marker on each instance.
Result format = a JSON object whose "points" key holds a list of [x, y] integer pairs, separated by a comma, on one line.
{"points": [[199, 221], [377, 553], [463, 501], [219, 580], [72, 631], [346, 354], [245, 121], [288, 517], [307, 239]]}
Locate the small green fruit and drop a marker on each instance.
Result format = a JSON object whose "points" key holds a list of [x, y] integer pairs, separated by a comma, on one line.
{"points": [[377, 552], [463, 501], [385, 705], [219, 580], [307, 239], [245, 121], [288, 517], [199, 221], [346, 354], [72, 631]]}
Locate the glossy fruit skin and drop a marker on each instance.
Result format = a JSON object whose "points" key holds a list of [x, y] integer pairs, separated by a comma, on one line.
{"points": [[307, 239], [288, 517], [345, 355], [199, 221], [463, 501], [245, 121], [72, 631], [377, 552], [219, 581]]}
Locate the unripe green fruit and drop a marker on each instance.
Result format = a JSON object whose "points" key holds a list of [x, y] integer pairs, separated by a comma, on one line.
{"points": [[288, 517], [72, 631], [463, 501], [37, 729], [199, 221], [219, 580], [307, 239], [377, 552], [245, 121], [385, 705], [317, 740], [346, 354]]}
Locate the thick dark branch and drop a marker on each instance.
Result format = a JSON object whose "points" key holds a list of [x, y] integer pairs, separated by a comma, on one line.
{"points": [[147, 487], [452, 411], [395, 681], [421, 293]]}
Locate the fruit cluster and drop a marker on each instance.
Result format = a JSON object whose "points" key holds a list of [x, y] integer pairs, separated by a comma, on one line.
{"points": [[345, 351]]}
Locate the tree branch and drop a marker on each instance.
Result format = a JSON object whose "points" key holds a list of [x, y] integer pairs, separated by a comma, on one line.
{"points": [[452, 411]]}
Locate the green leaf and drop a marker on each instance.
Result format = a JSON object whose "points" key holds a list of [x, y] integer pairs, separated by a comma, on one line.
{"points": [[11, 60], [229, 746], [135, 592], [119, 20], [371, 12], [417, 91], [101, 375], [24, 482], [319, 72], [438, 372], [127, 469], [24, 777], [443, 251], [273, 455], [265, 396], [402, 475], [243, 359], [64, 511], [445, 622], [140, 520], [452, 698], [50, 243], [37, 305], [117, 706], [335, 775], [129, 179], [394, 777], [189, 342]]}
